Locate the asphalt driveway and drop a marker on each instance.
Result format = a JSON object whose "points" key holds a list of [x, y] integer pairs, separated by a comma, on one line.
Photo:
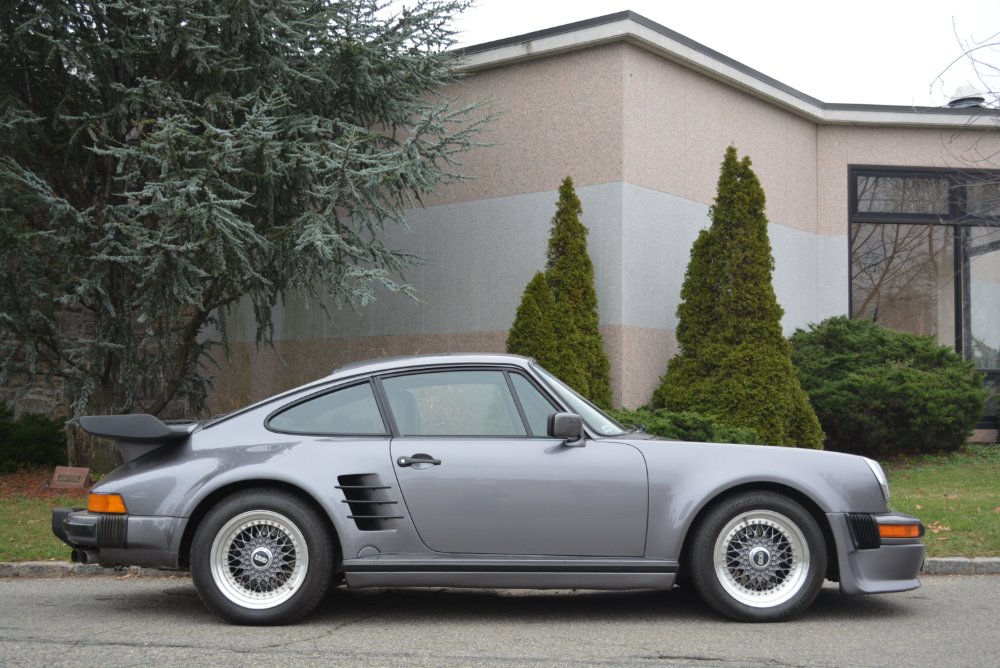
{"points": [[145, 621]]}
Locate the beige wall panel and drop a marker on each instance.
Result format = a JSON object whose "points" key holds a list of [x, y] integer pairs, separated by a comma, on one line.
{"points": [[677, 125], [643, 362], [558, 116], [840, 146]]}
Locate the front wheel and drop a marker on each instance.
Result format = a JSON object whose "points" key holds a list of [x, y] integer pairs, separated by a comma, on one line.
{"points": [[262, 557], [758, 557]]}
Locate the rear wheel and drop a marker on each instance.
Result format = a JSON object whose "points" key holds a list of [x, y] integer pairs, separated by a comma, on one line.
{"points": [[262, 557], [758, 557]]}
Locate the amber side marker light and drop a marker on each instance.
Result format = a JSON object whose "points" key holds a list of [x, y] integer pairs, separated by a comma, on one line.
{"points": [[900, 530], [106, 503]]}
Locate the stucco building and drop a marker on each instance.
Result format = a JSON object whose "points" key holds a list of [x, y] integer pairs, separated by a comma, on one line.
{"points": [[877, 211]]}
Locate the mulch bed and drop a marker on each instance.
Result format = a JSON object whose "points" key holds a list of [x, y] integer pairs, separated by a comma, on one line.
{"points": [[33, 483]]}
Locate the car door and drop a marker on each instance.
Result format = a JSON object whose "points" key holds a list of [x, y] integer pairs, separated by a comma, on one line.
{"points": [[479, 476]]}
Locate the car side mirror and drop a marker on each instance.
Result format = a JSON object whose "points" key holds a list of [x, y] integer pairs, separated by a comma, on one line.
{"points": [[567, 427]]}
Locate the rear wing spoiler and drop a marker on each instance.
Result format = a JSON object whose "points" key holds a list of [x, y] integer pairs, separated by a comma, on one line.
{"points": [[136, 435]]}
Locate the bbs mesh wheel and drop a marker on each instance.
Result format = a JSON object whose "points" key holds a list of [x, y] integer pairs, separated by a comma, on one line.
{"points": [[262, 557], [758, 557]]}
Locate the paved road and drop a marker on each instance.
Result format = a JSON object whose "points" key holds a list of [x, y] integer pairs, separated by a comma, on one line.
{"points": [[128, 621]]}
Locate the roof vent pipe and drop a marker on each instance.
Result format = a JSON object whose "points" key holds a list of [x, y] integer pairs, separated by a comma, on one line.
{"points": [[966, 97]]}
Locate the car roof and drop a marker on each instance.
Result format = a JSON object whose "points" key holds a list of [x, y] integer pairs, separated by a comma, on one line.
{"points": [[382, 364]]}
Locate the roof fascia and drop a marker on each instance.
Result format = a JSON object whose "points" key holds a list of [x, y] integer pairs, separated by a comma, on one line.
{"points": [[637, 30]]}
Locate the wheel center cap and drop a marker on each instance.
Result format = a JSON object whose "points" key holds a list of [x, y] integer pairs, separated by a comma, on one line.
{"points": [[759, 557], [261, 558]]}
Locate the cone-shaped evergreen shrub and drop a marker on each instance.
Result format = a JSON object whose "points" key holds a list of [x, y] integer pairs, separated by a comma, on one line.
{"points": [[577, 356], [532, 333], [879, 392], [734, 362], [570, 275]]}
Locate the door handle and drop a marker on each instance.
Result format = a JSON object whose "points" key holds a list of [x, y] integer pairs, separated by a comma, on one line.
{"points": [[418, 458]]}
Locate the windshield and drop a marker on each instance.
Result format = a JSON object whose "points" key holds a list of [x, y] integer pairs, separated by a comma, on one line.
{"points": [[591, 414]]}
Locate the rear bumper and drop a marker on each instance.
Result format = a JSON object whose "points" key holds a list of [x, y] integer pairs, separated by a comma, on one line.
{"points": [[120, 540], [879, 566]]}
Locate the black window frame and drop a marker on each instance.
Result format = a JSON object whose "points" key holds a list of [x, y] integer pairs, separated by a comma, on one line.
{"points": [[957, 219]]}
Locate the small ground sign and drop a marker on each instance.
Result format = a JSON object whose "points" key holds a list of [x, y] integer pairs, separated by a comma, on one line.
{"points": [[70, 477]]}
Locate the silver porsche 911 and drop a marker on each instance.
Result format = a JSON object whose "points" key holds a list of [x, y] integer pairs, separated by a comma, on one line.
{"points": [[479, 471]]}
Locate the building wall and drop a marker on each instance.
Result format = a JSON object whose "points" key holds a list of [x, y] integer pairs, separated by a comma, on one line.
{"points": [[556, 116], [678, 124], [643, 138], [479, 256]]}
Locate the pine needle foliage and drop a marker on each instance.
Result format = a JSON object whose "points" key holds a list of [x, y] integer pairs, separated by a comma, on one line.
{"points": [[734, 363], [578, 356], [162, 161], [533, 333]]}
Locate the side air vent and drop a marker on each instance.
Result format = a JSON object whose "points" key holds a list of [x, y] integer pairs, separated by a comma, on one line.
{"points": [[371, 503], [864, 531]]}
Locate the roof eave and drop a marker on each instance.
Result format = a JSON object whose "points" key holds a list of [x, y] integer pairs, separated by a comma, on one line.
{"points": [[637, 30]]}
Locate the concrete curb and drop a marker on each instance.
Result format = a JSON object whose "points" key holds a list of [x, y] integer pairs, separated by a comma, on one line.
{"points": [[962, 566], [60, 569]]}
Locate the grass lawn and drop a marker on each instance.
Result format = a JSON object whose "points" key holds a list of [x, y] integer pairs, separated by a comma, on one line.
{"points": [[956, 495], [26, 506]]}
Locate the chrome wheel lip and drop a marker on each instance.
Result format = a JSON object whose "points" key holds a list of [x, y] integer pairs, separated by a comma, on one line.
{"points": [[787, 564], [232, 536]]}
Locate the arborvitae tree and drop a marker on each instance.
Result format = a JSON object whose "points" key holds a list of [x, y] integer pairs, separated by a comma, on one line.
{"points": [[162, 161], [570, 275], [533, 333], [734, 362], [557, 321]]}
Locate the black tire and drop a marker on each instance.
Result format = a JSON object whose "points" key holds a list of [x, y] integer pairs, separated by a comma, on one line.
{"points": [[262, 557], [758, 557]]}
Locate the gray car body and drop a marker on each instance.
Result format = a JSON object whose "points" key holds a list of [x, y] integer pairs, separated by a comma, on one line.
{"points": [[496, 512]]}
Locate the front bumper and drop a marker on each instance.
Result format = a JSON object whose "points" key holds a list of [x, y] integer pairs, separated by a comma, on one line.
{"points": [[875, 566], [120, 540]]}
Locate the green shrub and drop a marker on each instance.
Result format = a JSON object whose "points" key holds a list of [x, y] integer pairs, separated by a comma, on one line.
{"points": [[30, 440], [533, 333], [558, 323], [734, 362], [685, 426], [880, 392]]}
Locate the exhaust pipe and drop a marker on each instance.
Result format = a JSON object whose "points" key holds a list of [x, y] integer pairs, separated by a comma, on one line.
{"points": [[83, 557]]}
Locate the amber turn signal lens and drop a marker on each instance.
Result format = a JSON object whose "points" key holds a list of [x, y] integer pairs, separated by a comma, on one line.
{"points": [[106, 503], [899, 530]]}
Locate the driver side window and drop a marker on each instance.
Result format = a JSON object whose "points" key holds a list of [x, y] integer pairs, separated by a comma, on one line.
{"points": [[453, 403]]}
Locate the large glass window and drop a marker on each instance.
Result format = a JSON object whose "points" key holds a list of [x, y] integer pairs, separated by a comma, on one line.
{"points": [[982, 251], [903, 277], [925, 258], [902, 194]]}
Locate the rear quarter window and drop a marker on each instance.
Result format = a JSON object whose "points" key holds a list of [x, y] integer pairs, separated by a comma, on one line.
{"points": [[349, 410]]}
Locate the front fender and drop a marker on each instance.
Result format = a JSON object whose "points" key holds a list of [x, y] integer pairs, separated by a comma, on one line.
{"points": [[685, 478]]}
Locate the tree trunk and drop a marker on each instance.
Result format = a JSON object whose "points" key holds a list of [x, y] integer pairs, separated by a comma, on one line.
{"points": [[72, 455]]}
